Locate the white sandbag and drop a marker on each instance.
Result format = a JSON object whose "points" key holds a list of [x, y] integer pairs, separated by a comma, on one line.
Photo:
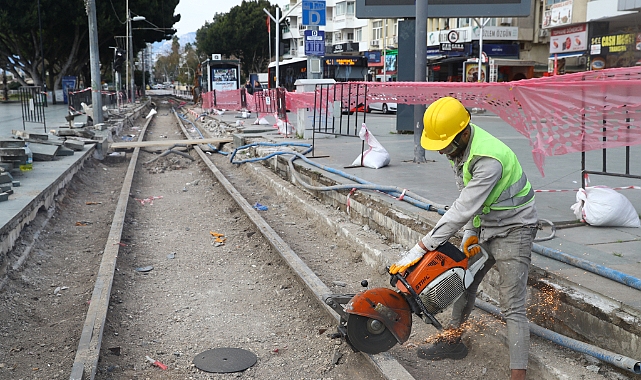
{"points": [[284, 128], [376, 156], [602, 206], [261, 121]]}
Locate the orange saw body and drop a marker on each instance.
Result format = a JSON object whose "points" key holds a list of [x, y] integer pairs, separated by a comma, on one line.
{"points": [[374, 320]]}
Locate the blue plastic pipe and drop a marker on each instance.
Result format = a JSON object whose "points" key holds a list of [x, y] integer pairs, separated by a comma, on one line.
{"points": [[361, 184], [578, 262], [616, 360]]}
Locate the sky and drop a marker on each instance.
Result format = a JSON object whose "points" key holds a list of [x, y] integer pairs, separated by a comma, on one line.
{"points": [[194, 13]]}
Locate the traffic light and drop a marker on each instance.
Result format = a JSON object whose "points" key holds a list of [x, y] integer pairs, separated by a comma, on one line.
{"points": [[119, 59]]}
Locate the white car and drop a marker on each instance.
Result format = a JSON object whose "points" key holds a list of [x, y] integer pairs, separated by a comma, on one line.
{"points": [[383, 107]]}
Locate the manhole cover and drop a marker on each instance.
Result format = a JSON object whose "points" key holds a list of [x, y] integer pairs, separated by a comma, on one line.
{"points": [[225, 360]]}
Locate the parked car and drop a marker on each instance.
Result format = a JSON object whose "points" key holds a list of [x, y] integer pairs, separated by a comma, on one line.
{"points": [[382, 107]]}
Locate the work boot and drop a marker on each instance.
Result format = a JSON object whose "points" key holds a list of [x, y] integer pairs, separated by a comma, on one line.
{"points": [[443, 348]]}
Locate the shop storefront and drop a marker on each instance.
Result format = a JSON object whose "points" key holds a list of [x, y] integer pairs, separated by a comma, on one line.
{"points": [[568, 49], [615, 50], [446, 61]]}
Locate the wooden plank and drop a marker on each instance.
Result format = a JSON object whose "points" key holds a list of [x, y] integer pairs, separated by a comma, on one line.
{"points": [[142, 144]]}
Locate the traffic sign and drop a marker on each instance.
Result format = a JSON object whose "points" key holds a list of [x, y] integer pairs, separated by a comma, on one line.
{"points": [[314, 12], [315, 43]]}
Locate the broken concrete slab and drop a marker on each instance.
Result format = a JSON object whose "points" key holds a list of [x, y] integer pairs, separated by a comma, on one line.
{"points": [[5, 177], [62, 151], [12, 152], [11, 143], [30, 135], [43, 152], [74, 144]]}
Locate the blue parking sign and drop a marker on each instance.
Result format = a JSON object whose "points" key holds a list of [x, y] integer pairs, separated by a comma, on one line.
{"points": [[315, 43], [314, 12]]}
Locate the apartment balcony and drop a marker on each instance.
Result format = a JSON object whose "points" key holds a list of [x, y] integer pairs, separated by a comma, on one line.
{"points": [[343, 22]]}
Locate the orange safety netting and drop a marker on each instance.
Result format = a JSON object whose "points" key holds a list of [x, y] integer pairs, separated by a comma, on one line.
{"points": [[559, 114]]}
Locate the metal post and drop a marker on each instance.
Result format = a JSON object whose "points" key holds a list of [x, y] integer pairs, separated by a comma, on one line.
{"points": [[481, 24], [384, 51], [144, 70], [277, 45], [42, 53], [94, 59], [130, 54], [420, 68], [127, 45]]}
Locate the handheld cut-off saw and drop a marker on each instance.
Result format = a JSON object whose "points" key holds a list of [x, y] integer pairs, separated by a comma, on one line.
{"points": [[375, 319]]}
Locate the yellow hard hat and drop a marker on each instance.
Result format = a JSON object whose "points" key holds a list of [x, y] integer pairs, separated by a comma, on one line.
{"points": [[442, 121]]}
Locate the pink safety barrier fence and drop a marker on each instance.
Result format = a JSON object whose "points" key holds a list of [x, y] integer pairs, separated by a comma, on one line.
{"points": [[560, 114]]}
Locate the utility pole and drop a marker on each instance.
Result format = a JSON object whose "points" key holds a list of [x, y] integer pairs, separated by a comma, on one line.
{"points": [[278, 20], [94, 59], [420, 73]]}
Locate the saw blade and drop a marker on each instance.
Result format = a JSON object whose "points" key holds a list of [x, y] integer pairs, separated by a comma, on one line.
{"points": [[369, 335]]}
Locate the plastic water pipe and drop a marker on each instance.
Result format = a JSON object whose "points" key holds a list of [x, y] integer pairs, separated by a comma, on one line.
{"points": [[612, 358], [401, 194], [601, 270]]}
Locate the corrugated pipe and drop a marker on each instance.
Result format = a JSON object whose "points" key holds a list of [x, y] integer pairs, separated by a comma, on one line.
{"points": [[601, 270], [612, 358]]}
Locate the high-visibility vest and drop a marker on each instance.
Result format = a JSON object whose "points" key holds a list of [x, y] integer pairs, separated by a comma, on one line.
{"points": [[513, 189]]}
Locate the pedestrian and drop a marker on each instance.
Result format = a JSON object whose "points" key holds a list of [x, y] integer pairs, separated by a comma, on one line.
{"points": [[257, 86], [248, 87], [495, 208]]}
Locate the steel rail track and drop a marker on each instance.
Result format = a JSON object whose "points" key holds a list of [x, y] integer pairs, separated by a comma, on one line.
{"points": [[88, 352]]}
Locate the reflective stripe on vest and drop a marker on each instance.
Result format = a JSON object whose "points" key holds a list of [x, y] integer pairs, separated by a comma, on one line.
{"points": [[513, 190]]}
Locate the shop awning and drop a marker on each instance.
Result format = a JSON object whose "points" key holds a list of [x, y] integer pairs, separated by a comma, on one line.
{"points": [[568, 55], [512, 62], [374, 64]]}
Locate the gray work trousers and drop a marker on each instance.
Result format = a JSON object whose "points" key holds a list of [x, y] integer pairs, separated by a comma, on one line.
{"points": [[512, 255]]}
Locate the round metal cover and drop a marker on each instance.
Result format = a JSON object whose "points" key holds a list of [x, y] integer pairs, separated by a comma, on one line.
{"points": [[225, 360]]}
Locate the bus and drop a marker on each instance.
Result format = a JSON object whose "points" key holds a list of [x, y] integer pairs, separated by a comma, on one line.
{"points": [[289, 71]]}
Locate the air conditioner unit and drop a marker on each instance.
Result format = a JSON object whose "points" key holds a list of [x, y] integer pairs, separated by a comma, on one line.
{"points": [[506, 21], [374, 43], [543, 32], [216, 57]]}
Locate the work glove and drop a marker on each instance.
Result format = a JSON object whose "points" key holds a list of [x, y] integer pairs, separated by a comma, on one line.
{"points": [[470, 243], [408, 259]]}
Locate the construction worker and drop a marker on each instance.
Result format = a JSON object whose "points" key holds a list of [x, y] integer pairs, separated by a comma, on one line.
{"points": [[496, 209]]}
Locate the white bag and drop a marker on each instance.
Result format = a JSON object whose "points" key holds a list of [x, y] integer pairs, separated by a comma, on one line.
{"points": [[376, 156], [602, 206]]}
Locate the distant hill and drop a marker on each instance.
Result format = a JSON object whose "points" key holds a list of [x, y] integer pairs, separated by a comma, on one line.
{"points": [[165, 46]]}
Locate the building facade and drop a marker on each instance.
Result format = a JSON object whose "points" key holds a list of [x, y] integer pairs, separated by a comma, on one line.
{"points": [[558, 37]]}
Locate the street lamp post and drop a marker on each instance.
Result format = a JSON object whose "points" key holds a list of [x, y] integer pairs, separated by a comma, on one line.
{"points": [[130, 53]]}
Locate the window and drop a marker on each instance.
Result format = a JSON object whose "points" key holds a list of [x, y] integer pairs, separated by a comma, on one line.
{"points": [[377, 30], [463, 22], [350, 8], [337, 36], [350, 36], [340, 9], [358, 34]]}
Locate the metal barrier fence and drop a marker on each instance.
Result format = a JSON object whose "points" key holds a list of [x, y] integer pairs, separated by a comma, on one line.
{"points": [[604, 166], [340, 110], [33, 102], [270, 101]]}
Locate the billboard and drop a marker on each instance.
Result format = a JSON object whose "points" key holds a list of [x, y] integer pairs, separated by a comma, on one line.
{"points": [[443, 8], [224, 79]]}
